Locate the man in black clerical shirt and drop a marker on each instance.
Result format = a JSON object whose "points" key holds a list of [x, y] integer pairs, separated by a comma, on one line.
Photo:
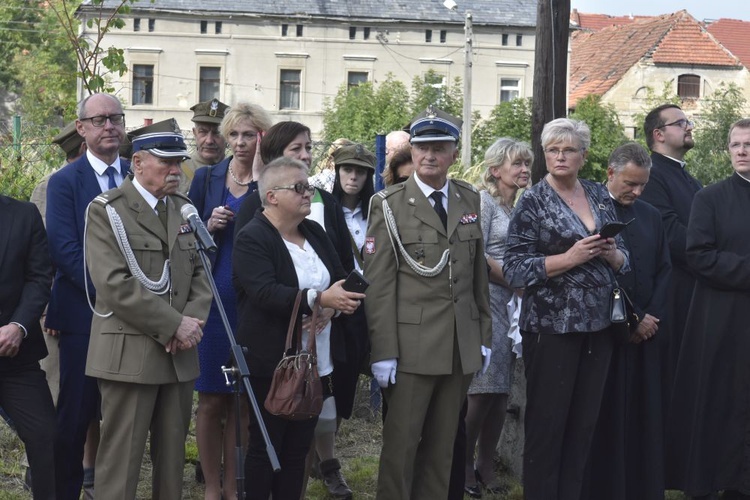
{"points": [[627, 454]]}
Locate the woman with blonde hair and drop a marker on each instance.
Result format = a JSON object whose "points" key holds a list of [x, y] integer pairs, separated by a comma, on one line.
{"points": [[217, 191], [507, 168]]}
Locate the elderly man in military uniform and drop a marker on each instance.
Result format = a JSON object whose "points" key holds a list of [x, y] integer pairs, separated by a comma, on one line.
{"points": [[152, 300], [427, 310], [210, 145]]}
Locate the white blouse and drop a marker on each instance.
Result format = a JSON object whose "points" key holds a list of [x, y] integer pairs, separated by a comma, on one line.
{"points": [[312, 273]]}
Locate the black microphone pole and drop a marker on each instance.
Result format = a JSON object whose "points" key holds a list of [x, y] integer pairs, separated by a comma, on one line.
{"points": [[239, 372]]}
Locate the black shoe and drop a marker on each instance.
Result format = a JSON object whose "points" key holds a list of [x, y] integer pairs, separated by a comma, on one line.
{"points": [[473, 491]]}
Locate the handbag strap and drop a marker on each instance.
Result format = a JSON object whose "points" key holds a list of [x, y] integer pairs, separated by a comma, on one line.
{"points": [[293, 323], [312, 347]]}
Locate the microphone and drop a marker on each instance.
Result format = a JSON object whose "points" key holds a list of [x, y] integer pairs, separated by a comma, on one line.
{"points": [[190, 214]]}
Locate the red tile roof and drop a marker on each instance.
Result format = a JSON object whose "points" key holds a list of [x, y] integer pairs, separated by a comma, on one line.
{"points": [[600, 59], [596, 22], [735, 36]]}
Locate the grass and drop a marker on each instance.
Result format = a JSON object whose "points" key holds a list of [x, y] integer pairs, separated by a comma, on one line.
{"points": [[358, 447]]}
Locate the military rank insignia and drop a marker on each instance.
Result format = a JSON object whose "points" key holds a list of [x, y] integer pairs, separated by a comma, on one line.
{"points": [[185, 228]]}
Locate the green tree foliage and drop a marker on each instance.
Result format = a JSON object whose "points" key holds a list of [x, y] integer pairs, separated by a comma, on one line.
{"points": [[432, 89], [507, 119], [94, 61], [709, 160], [360, 113], [606, 135], [18, 32]]}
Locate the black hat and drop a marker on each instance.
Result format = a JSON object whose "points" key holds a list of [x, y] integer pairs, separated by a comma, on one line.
{"points": [[209, 112], [435, 125], [162, 145], [354, 154], [168, 125], [69, 139]]}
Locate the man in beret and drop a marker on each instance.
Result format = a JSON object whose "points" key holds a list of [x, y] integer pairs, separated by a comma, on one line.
{"points": [[210, 146], [152, 301], [101, 123], [427, 310]]}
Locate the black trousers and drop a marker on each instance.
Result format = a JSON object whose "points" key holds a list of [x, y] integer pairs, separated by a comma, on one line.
{"points": [[292, 441], [565, 378], [25, 397]]}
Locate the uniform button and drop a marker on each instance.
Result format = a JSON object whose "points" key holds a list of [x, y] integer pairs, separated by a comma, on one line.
{"points": [[175, 293], [454, 261], [455, 280], [419, 237], [356, 232], [146, 245], [455, 300], [119, 327], [450, 241]]}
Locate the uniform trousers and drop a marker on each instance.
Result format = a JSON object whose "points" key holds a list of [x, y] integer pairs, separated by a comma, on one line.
{"points": [[565, 379], [130, 412], [25, 397], [419, 433]]}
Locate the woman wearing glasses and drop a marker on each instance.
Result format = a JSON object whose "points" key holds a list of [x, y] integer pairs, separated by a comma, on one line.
{"points": [[567, 270], [217, 192], [278, 253]]}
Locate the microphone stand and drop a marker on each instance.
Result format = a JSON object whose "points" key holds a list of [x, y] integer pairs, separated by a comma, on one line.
{"points": [[238, 372]]}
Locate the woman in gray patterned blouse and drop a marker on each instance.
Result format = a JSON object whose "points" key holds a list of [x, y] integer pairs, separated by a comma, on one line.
{"points": [[508, 165], [566, 269]]}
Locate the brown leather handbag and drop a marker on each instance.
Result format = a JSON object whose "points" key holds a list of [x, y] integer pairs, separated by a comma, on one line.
{"points": [[296, 392]]}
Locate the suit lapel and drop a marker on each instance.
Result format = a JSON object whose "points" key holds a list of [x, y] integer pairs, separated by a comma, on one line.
{"points": [[6, 226], [87, 180], [455, 207], [421, 207]]}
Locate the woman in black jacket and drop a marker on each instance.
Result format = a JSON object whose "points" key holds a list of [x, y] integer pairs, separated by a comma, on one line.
{"points": [[277, 254]]}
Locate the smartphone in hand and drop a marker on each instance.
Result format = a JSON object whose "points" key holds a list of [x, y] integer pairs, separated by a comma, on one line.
{"points": [[355, 282], [612, 229]]}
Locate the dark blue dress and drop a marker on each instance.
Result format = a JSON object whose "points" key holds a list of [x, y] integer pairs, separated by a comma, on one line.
{"points": [[213, 350]]}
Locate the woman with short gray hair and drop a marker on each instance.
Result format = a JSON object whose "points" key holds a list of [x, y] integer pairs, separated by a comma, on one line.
{"points": [[567, 271]]}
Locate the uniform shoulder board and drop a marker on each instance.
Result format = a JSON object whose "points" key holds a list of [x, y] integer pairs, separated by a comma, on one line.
{"points": [[183, 196], [465, 185], [108, 196], [385, 193]]}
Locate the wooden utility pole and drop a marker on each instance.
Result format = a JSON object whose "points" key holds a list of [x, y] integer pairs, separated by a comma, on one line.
{"points": [[550, 74]]}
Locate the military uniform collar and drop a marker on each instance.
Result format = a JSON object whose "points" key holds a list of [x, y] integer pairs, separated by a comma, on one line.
{"points": [[428, 190]]}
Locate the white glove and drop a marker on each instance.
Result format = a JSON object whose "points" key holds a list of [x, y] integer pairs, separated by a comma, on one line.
{"points": [[486, 355], [384, 371]]}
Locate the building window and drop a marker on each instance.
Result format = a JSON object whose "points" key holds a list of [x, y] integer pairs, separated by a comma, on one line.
{"points": [[290, 88], [151, 25], [217, 27], [352, 32], [519, 40], [204, 27], [137, 24], [299, 30], [366, 32], [505, 40], [143, 84], [443, 36], [689, 86], [210, 81], [284, 29], [355, 79], [510, 88], [428, 36]]}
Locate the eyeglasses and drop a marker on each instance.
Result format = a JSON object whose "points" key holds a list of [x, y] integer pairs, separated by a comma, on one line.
{"points": [[683, 123], [299, 188], [101, 120], [554, 152]]}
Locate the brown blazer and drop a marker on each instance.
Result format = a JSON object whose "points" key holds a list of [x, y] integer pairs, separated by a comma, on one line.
{"points": [[415, 318], [128, 346]]}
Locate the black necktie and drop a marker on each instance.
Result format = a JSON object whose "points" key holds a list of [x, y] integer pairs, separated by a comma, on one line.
{"points": [[111, 175], [161, 209], [437, 197]]}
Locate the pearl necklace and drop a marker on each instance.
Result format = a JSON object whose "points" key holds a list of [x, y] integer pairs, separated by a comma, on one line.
{"points": [[235, 179]]}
